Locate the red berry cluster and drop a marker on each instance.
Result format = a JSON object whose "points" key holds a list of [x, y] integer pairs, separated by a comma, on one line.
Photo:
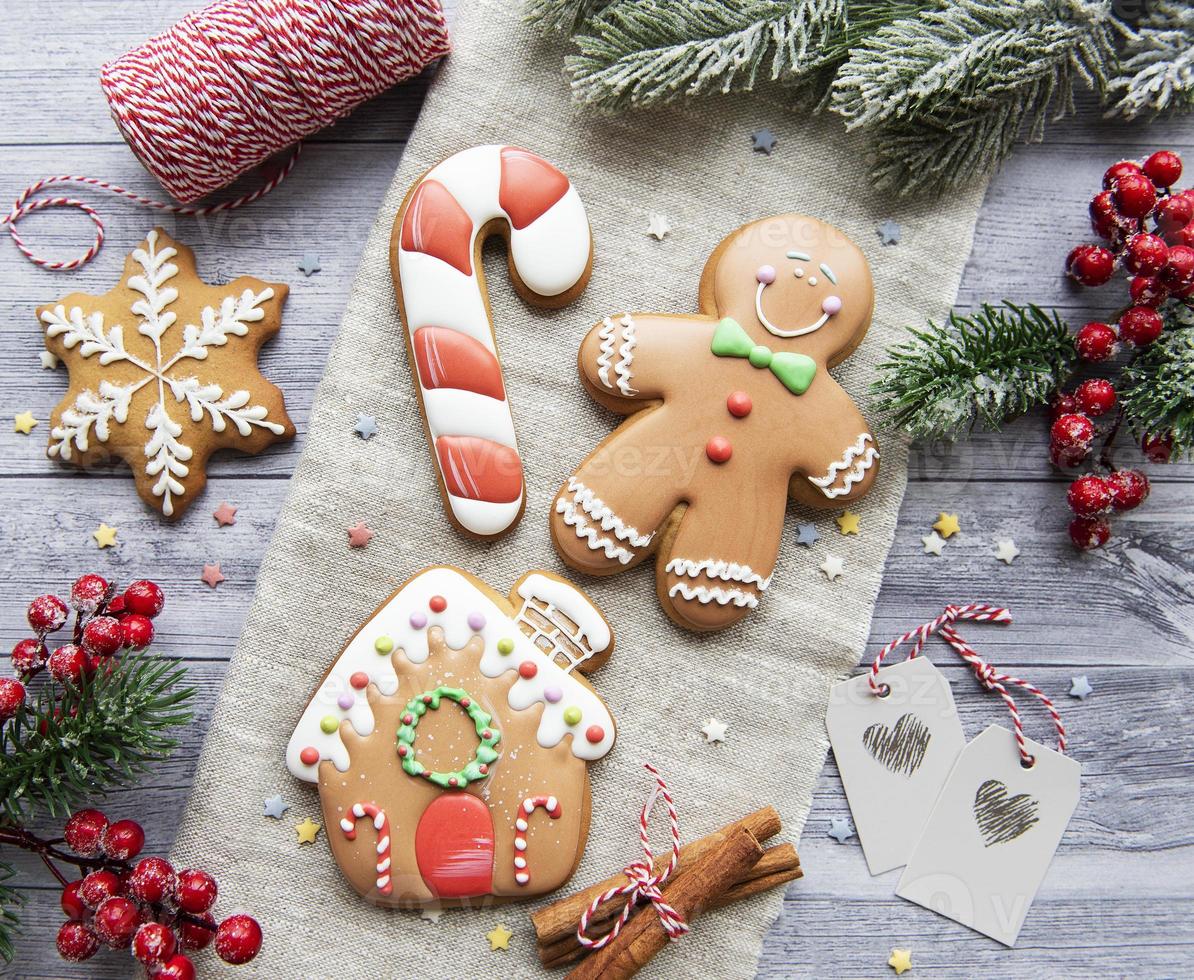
{"points": [[1148, 227], [148, 907]]}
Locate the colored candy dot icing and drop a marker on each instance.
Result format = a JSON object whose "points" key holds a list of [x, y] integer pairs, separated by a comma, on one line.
{"points": [[309, 756], [476, 622], [739, 404], [527, 669], [572, 715], [438, 603], [328, 724], [552, 694], [505, 646], [383, 644], [359, 680], [417, 620], [831, 305], [595, 733], [766, 274], [718, 449], [346, 701]]}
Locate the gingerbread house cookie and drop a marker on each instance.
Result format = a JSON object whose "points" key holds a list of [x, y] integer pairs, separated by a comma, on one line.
{"points": [[457, 721]]}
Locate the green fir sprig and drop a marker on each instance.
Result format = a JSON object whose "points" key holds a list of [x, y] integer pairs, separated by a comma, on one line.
{"points": [[982, 368], [1156, 390], [95, 737], [10, 923]]}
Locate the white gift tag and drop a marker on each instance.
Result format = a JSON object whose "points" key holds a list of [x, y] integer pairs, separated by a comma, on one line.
{"points": [[894, 754], [988, 842]]}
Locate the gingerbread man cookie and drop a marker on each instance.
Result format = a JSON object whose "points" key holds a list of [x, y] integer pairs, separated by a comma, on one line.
{"points": [[459, 723], [731, 411]]}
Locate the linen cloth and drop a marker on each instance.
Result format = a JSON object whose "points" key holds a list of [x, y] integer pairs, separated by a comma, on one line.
{"points": [[768, 678]]}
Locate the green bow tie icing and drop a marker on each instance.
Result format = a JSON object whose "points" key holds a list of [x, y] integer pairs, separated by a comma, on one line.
{"points": [[795, 371]]}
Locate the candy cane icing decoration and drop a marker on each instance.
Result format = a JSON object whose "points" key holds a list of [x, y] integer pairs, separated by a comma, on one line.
{"points": [[552, 808], [381, 823], [437, 244]]}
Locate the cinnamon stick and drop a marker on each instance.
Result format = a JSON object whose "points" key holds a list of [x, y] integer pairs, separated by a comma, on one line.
{"points": [[777, 866], [644, 935], [558, 920]]}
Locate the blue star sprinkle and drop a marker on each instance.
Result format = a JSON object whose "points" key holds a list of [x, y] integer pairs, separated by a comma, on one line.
{"points": [[806, 534], [1080, 688], [274, 807], [366, 427], [840, 829], [889, 233], [310, 264], [763, 141]]}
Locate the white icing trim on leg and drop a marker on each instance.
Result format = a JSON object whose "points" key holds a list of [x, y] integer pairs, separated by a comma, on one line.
{"points": [[723, 597], [854, 475], [584, 530], [726, 571], [596, 508]]}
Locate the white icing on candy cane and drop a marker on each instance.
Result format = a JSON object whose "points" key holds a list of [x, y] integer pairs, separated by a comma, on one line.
{"points": [[551, 806], [460, 380], [625, 354], [855, 474], [381, 823], [404, 623]]}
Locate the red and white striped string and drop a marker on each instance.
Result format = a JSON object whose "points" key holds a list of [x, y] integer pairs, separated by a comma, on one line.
{"points": [[643, 883], [237, 81]]}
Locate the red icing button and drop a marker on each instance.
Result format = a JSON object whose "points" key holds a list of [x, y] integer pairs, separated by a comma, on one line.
{"points": [[527, 669], [438, 603], [719, 449], [739, 404], [359, 680], [594, 733], [309, 756]]}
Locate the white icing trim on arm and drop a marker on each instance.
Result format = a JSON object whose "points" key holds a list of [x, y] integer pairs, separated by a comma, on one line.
{"points": [[584, 530], [625, 353], [860, 448], [596, 508]]}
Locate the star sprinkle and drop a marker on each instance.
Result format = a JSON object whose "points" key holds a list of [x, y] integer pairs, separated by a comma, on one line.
{"points": [[274, 807], [933, 543], [714, 731], [499, 937], [1006, 551], [359, 536], [1080, 688], [105, 537], [23, 423], [431, 913], [366, 427], [889, 233], [848, 522], [763, 141], [49, 360], [310, 264], [833, 567], [806, 534], [900, 960], [658, 225], [947, 525], [212, 575], [225, 514], [840, 829], [307, 830]]}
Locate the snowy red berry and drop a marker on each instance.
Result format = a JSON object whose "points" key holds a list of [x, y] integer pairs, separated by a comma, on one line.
{"points": [[88, 592], [238, 939], [1105, 220], [76, 942], [1146, 254], [1121, 169], [144, 597], [84, 832], [1179, 269], [1135, 195], [1147, 291], [1095, 397], [197, 935], [72, 902], [153, 880], [1072, 431], [1173, 213], [1091, 265], [115, 921], [124, 840], [1063, 403], [1089, 495], [196, 890], [12, 696], [136, 631], [98, 887], [1089, 532], [46, 613], [1157, 448], [178, 967], [1096, 342], [153, 943], [102, 636], [1182, 236], [1140, 326], [1163, 168], [1129, 489], [68, 664], [29, 656]]}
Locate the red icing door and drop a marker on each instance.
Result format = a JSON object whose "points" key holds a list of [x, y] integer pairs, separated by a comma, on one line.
{"points": [[454, 846]]}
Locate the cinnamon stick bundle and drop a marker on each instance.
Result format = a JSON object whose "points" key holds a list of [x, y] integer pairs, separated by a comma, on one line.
{"points": [[710, 877]]}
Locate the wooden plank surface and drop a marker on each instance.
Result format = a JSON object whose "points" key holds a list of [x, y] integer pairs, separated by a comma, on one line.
{"points": [[1120, 894]]}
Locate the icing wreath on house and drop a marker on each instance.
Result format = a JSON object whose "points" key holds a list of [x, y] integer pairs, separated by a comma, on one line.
{"points": [[458, 721], [732, 411]]}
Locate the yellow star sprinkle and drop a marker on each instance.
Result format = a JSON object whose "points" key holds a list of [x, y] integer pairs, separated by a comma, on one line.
{"points": [[499, 937], [23, 423], [848, 522], [901, 960], [105, 537], [947, 525], [307, 830]]}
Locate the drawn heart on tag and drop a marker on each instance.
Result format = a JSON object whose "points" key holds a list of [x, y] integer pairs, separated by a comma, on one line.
{"points": [[900, 749], [1002, 818]]}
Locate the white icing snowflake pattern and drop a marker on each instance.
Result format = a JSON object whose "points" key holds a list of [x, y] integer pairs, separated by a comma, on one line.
{"points": [[94, 413]]}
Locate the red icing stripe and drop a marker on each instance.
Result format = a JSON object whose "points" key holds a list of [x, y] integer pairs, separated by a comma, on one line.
{"points": [[451, 359], [436, 224], [479, 469], [529, 186]]}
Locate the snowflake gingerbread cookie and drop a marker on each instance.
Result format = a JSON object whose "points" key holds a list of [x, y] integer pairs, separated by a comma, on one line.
{"points": [[459, 723], [731, 411], [163, 372]]}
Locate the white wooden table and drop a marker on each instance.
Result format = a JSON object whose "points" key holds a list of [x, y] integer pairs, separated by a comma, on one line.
{"points": [[1120, 895]]}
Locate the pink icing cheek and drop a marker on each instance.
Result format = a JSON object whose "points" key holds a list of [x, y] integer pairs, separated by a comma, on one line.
{"points": [[831, 305], [766, 274]]}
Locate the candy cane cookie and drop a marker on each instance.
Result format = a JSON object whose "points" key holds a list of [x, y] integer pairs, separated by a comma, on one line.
{"points": [[551, 806], [435, 256], [381, 823]]}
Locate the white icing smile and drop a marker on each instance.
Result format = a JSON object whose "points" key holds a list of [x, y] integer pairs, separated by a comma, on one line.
{"points": [[829, 306]]}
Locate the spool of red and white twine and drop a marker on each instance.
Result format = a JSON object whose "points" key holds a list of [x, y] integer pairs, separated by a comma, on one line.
{"points": [[237, 81], [988, 676]]}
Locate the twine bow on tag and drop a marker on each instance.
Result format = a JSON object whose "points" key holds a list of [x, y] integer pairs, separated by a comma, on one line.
{"points": [[643, 884]]}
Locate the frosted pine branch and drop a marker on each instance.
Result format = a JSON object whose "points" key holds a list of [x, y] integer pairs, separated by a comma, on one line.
{"points": [[1157, 70], [565, 16]]}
